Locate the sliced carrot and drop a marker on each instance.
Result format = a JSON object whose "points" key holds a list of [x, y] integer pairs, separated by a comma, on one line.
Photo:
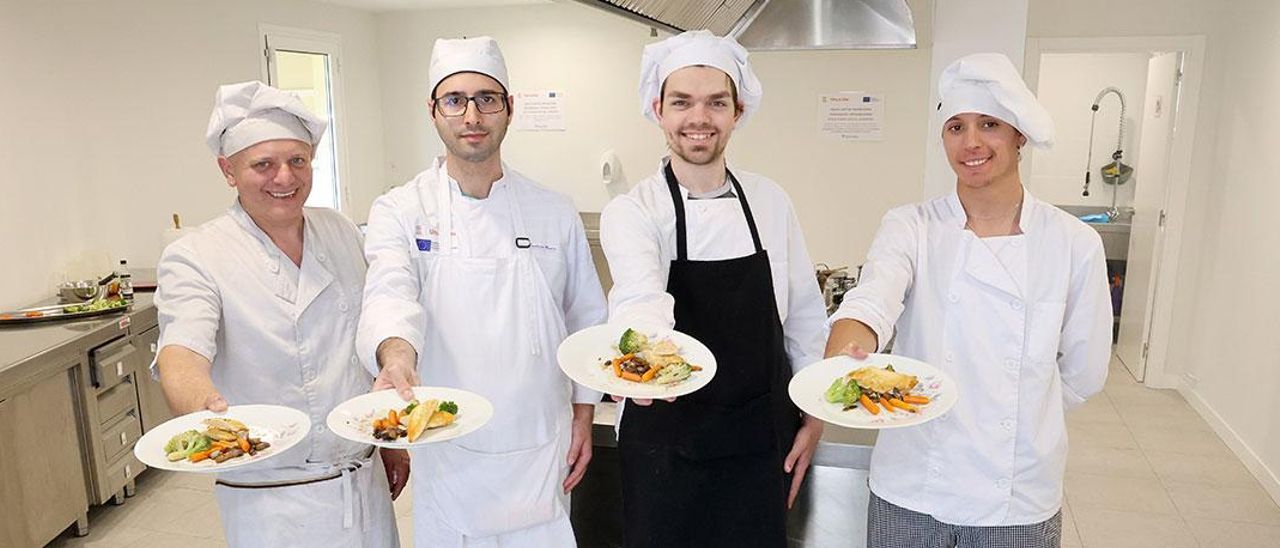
{"points": [[631, 376], [244, 443], [870, 405], [617, 367], [912, 398], [895, 402], [648, 375], [199, 456], [392, 418]]}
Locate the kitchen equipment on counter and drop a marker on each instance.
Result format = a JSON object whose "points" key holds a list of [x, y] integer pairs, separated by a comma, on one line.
{"points": [[78, 291], [835, 282], [1115, 173]]}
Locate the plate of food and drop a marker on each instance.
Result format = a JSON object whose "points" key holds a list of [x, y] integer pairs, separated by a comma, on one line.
{"points": [[882, 391], [634, 362], [434, 415], [64, 311], [208, 442]]}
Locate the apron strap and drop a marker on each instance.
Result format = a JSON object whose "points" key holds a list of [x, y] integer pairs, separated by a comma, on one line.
{"points": [[682, 242], [682, 238], [746, 210]]}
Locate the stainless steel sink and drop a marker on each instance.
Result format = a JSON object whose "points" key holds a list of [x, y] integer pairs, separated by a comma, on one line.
{"points": [[1115, 234]]}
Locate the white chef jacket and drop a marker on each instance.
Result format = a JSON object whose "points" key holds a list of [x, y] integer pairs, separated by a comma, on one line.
{"points": [[638, 233], [276, 333], [1020, 356], [482, 228]]}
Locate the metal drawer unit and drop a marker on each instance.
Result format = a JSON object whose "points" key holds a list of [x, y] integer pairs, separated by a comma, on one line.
{"points": [[114, 418]]}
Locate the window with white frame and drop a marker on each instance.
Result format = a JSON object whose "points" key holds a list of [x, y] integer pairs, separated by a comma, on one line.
{"points": [[308, 64]]}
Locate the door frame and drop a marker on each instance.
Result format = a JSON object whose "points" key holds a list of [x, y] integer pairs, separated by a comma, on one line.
{"points": [[1169, 241], [272, 37]]}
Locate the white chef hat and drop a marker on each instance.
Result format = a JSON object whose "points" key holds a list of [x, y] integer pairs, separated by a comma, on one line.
{"points": [[480, 54], [988, 83], [697, 47], [249, 113]]}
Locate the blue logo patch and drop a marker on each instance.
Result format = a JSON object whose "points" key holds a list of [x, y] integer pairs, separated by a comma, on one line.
{"points": [[424, 244]]}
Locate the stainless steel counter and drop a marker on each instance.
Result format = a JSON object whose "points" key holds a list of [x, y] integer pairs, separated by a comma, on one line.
{"points": [[27, 346], [831, 509]]}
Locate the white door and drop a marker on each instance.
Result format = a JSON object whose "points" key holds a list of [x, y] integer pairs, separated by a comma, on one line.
{"points": [[1151, 188]]}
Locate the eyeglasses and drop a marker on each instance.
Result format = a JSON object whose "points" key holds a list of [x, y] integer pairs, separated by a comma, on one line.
{"points": [[455, 104]]}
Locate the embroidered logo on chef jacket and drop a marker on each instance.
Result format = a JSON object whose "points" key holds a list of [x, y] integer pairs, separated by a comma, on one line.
{"points": [[422, 238], [428, 240], [525, 243]]}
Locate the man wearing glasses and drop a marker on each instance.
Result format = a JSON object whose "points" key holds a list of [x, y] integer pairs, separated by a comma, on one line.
{"points": [[476, 274]]}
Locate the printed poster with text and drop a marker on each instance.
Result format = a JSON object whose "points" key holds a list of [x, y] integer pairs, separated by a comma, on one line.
{"points": [[852, 115], [539, 111]]}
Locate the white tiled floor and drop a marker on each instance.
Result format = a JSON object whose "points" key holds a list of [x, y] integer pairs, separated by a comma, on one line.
{"points": [[1144, 471]]}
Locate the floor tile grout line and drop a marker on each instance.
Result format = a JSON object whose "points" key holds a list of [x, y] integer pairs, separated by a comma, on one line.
{"points": [[1151, 466]]}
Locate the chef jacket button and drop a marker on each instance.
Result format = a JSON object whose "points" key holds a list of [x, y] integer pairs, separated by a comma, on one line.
{"points": [[1006, 424], [342, 307], [319, 428], [273, 267], [1011, 364], [354, 359], [953, 298], [321, 257], [1003, 484], [950, 357], [1016, 304]]}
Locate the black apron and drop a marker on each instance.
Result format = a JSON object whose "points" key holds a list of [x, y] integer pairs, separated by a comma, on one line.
{"points": [[706, 470]]}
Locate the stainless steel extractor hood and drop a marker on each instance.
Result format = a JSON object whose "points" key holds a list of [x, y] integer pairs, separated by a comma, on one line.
{"points": [[780, 24]]}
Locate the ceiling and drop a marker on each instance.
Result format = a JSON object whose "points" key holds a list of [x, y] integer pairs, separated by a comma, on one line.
{"points": [[401, 5]]}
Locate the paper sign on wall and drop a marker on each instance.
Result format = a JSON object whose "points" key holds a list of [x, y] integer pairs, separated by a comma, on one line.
{"points": [[852, 115], [539, 111]]}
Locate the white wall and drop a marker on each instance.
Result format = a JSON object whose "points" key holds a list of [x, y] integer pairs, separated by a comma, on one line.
{"points": [[1069, 82], [102, 117], [1226, 293], [1236, 291], [841, 188]]}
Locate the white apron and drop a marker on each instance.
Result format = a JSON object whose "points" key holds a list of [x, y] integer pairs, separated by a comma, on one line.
{"points": [[303, 515], [493, 328]]}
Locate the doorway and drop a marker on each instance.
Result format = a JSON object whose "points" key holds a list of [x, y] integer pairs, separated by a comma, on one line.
{"points": [[1147, 91]]}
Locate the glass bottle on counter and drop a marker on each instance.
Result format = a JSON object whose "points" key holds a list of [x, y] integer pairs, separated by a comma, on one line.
{"points": [[126, 280]]}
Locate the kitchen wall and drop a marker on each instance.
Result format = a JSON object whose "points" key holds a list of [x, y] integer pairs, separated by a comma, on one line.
{"points": [[840, 188], [1068, 84], [102, 117], [1221, 336]]}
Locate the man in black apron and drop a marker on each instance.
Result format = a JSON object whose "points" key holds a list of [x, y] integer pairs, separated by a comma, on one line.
{"points": [[718, 467]]}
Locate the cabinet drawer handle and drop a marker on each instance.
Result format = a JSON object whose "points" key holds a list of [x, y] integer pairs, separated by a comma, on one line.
{"points": [[124, 439], [153, 348], [128, 471], [120, 368]]}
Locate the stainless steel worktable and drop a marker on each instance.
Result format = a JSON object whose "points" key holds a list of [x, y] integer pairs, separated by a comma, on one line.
{"points": [[24, 347]]}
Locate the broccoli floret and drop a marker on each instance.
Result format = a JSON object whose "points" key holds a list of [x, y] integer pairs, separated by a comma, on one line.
{"points": [[632, 341], [186, 443], [844, 392], [448, 407]]}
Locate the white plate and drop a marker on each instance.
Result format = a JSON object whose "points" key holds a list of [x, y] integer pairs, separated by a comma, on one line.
{"points": [[353, 419], [282, 427], [808, 387], [584, 356]]}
